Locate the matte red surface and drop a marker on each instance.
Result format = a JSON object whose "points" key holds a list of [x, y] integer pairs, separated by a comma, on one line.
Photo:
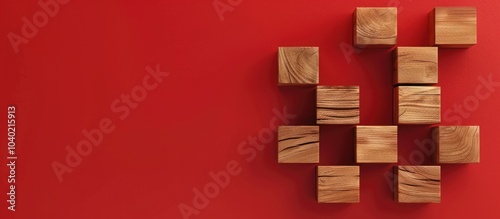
{"points": [[222, 89]]}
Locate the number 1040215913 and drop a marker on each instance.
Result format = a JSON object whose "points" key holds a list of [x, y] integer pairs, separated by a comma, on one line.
{"points": [[11, 129]]}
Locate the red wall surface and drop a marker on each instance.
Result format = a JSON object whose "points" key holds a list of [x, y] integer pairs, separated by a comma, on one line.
{"points": [[98, 65]]}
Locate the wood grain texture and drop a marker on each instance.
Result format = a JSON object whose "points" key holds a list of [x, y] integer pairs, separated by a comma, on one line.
{"points": [[298, 65], [453, 27], [337, 184], [375, 27], [415, 65], [417, 105], [376, 144], [417, 184], [298, 144], [337, 105], [457, 144]]}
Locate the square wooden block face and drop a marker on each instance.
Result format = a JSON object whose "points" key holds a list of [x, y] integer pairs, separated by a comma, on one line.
{"points": [[417, 184], [417, 105], [376, 144], [375, 27], [416, 65], [337, 105], [298, 65], [454, 27], [298, 144], [337, 184], [457, 144]]}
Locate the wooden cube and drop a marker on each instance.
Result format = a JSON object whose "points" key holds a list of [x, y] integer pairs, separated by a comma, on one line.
{"points": [[337, 105], [298, 65], [415, 65], [375, 27], [417, 184], [298, 144], [453, 27], [457, 144], [376, 144], [337, 184], [417, 105]]}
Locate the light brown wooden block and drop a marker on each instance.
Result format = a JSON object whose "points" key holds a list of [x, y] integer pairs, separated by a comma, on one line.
{"points": [[298, 144], [453, 27], [415, 65], [337, 184], [298, 65], [337, 105], [375, 27], [417, 104], [376, 144], [457, 144], [417, 184]]}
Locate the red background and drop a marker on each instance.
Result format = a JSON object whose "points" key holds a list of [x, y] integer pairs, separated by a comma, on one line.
{"points": [[221, 89]]}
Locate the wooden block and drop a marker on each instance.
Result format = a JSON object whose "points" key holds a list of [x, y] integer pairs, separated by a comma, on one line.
{"points": [[337, 184], [453, 27], [457, 144], [337, 105], [417, 184], [298, 65], [376, 144], [298, 144], [375, 27], [417, 105], [415, 65]]}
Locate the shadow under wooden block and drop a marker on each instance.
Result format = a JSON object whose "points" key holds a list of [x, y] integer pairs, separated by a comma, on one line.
{"points": [[417, 105], [457, 144], [298, 144], [415, 65], [417, 184], [337, 184], [298, 65], [376, 144], [337, 105], [453, 27], [375, 27]]}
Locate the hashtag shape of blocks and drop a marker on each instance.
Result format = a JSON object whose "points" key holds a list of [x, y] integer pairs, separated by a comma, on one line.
{"points": [[415, 100]]}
